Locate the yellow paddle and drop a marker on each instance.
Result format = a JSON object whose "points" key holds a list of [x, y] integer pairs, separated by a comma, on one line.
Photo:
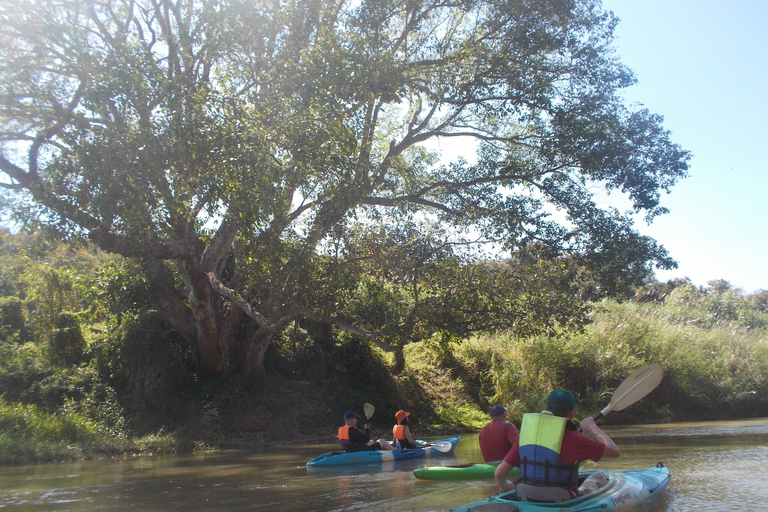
{"points": [[634, 387]]}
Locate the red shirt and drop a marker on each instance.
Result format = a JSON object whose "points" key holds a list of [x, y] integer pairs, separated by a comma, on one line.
{"points": [[576, 448], [496, 439]]}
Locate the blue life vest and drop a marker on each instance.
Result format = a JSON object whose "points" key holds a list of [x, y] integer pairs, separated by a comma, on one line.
{"points": [[541, 440]]}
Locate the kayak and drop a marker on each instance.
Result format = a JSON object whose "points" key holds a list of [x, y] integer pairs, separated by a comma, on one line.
{"points": [[472, 471], [339, 458], [625, 491]]}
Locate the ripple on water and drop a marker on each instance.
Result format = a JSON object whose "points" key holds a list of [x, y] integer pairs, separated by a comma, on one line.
{"points": [[720, 479]]}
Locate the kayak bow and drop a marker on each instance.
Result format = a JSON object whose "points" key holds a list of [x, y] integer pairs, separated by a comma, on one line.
{"points": [[472, 471]]}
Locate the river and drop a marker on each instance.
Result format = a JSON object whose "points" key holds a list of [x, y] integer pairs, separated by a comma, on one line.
{"points": [[716, 466]]}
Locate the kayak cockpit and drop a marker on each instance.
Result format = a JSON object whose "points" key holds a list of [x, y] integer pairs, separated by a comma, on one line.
{"points": [[558, 495], [624, 490]]}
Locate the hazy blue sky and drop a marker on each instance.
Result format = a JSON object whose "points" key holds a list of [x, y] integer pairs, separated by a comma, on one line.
{"points": [[703, 65]]}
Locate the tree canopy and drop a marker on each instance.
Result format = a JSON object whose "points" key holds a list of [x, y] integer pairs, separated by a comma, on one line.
{"points": [[243, 151]]}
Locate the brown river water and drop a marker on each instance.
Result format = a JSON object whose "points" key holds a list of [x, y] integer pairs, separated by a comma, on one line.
{"points": [[716, 466]]}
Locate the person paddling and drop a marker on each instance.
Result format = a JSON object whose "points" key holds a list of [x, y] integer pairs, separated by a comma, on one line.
{"points": [[549, 451], [353, 440]]}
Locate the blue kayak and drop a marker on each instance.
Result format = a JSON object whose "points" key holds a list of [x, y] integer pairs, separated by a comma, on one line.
{"points": [[340, 458], [625, 491]]}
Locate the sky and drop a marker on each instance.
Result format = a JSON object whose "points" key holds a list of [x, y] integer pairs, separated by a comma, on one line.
{"points": [[703, 65]]}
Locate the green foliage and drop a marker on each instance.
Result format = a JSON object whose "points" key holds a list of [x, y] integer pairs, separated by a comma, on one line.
{"points": [[67, 344], [12, 324], [123, 379], [237, 149], [29, 435], [714, 307], [49, 292], [383, 307], [759, 300], [120, 288], [712, 347], [658, 292], [21, 366], [144, 361], [28, 421]]}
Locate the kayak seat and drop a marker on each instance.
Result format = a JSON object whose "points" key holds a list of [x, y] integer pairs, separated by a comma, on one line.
{"points": [[542, 494]]}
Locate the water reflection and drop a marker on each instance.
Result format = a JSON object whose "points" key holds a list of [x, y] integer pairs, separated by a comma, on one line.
{"points": [[715, 466]]}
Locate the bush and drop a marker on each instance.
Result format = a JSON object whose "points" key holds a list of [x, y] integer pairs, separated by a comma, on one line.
{"points": [[145, 362], [21, 366], [28, 434], [67, 343], [12, 326]]}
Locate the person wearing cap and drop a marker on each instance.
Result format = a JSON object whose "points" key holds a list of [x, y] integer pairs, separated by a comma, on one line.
{"points": [[402, 432], [498, 436], [549, 451], [352, 440]]}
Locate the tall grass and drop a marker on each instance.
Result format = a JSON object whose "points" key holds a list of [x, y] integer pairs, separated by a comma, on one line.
{"points": [[713, 350], [31, 435], [28, 434]]}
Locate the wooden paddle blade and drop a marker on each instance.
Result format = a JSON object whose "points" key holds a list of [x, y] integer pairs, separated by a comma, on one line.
{"points": [[368, 409], [635, 387]]}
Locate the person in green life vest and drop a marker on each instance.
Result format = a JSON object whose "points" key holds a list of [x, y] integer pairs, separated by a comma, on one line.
{"points": [[549, 451]]}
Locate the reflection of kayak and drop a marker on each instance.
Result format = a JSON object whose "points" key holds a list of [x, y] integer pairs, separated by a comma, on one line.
{"points": [[479, 471], [625, 491], [342, 458]]}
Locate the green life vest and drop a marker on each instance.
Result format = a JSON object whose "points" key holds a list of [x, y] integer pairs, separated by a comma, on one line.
{"points": [[541, 441]]}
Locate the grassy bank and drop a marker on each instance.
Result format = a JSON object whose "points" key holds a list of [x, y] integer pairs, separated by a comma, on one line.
{"points": [[130, 392]]}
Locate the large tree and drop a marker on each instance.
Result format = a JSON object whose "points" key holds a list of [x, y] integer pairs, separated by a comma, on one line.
{"points": [[231, 145]]}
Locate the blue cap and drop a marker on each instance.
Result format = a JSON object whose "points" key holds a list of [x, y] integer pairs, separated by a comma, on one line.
{"points": [[498, 410], [349, 415]]}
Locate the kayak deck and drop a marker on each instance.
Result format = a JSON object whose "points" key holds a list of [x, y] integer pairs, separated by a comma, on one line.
{"points": [[472, 471], [625, 491]]}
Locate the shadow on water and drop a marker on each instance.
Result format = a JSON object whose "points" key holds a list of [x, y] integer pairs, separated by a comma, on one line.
{"points": [[715, 466]]}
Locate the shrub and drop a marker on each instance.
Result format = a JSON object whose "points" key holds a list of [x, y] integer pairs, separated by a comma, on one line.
{"points": [[12, 324], [67, 343]]}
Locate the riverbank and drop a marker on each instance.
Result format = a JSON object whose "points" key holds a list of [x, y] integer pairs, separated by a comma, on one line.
{"points": [[132, 395]]}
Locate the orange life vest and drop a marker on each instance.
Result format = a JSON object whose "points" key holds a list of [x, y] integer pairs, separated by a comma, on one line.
{"points": [[344, 433], [398, 432]]}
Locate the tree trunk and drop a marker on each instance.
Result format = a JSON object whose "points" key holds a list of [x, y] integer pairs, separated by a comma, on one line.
{"points": [[202, 322], [255, 350]]}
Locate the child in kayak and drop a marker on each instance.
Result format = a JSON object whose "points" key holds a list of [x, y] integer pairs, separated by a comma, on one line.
{"points": [[402, 432], [353, 440]]}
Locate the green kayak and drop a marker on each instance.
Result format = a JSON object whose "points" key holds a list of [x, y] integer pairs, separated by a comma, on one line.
{"points": [[472, 471]]}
